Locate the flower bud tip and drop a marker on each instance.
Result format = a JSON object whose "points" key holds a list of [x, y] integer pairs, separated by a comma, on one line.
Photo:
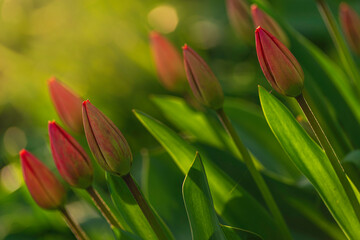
{"points": [[86, 102], [153, 34], [51, 80], [253, 7], [22, 152], [185, 47]]}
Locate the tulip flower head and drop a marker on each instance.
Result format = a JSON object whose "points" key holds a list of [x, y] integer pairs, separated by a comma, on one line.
{"points": [[350, 23], [43, 186], [203, 83], [106, 142], [279, 66], [70, 158], [263, 20], [240, 18], [168, 63], [67, 104]]}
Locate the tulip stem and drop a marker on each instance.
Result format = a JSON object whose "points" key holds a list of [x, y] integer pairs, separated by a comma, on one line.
{"points": [[145, 207], [343, 51], [334, 160], [104, 208], [259, 180], [75, 228]]}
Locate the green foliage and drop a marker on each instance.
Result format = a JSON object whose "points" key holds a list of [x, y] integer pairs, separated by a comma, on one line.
{"points": [[101, 50], [311, 161], [227, 194]]}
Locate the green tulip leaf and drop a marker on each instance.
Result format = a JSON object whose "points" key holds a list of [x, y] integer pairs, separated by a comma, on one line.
{"points": [[236, 206], [123, 235], [249, 123], [311, 161], [130, 210], [199, 205], [233, 233]]}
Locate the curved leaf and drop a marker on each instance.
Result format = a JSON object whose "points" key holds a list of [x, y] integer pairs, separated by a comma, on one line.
{"points": [[311, 161], [199, 205], [130, 210], [231, 201], [232, 233], [249, 123]]}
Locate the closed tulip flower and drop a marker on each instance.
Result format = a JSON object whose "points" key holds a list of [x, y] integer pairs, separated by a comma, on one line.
{"points": [[350, 23], [203, 83], [43, 186], [67, 105], [71, 160], [240, 19], [263, 20], [279, 66], [106, 142], [168, 63]]}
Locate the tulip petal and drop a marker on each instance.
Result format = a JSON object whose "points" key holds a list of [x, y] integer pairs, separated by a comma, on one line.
{"points": [[43, 186], [70, 158]]}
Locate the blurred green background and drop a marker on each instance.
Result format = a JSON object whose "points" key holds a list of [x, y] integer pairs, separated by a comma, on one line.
{"points": [[101, 50]]}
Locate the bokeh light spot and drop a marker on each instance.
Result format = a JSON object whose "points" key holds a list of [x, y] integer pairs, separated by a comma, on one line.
{"points": [[14, 140], [163, 18], [206, 34], [10, 176]]}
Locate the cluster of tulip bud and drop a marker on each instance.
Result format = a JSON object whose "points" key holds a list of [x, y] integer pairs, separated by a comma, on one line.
{"points": [[280, 67], [105, 140]]}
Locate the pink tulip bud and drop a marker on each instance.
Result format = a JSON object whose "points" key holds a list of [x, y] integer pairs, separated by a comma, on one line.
{"points": [[263, 20], [168, 63], [106, 142], [204, 84], [279, 66], [240, 19], [350, 23], [70, 158], [67, 105], [43, 186]]}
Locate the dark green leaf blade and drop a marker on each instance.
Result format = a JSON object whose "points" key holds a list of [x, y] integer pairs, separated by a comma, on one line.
{"points": [[249, 123], [128, 208], [199, 205], [232, 233], [236, 206], [311, 161]]}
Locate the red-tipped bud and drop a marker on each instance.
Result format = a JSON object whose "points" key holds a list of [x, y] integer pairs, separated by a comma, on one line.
{"points": [[168, 63], [350, 23], [263, 20], [43, 186], [70, 158], [106, 142], [67, 104], [204, 84], [279, 66], [240, 19]]}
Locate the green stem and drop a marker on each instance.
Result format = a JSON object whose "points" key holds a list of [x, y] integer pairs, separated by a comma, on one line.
{"points": [[343, 51], [75, 228], [259, 180], [104, 209], [334, 160], [145, 208]]}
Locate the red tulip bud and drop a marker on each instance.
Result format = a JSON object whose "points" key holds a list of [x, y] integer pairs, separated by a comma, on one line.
{"points": [[265, 21], [168, 63], [240, 19], [70, 158], [350, 23], [106, 142], [43, 186], [204, 84], [67, 105], [279, 66]]}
